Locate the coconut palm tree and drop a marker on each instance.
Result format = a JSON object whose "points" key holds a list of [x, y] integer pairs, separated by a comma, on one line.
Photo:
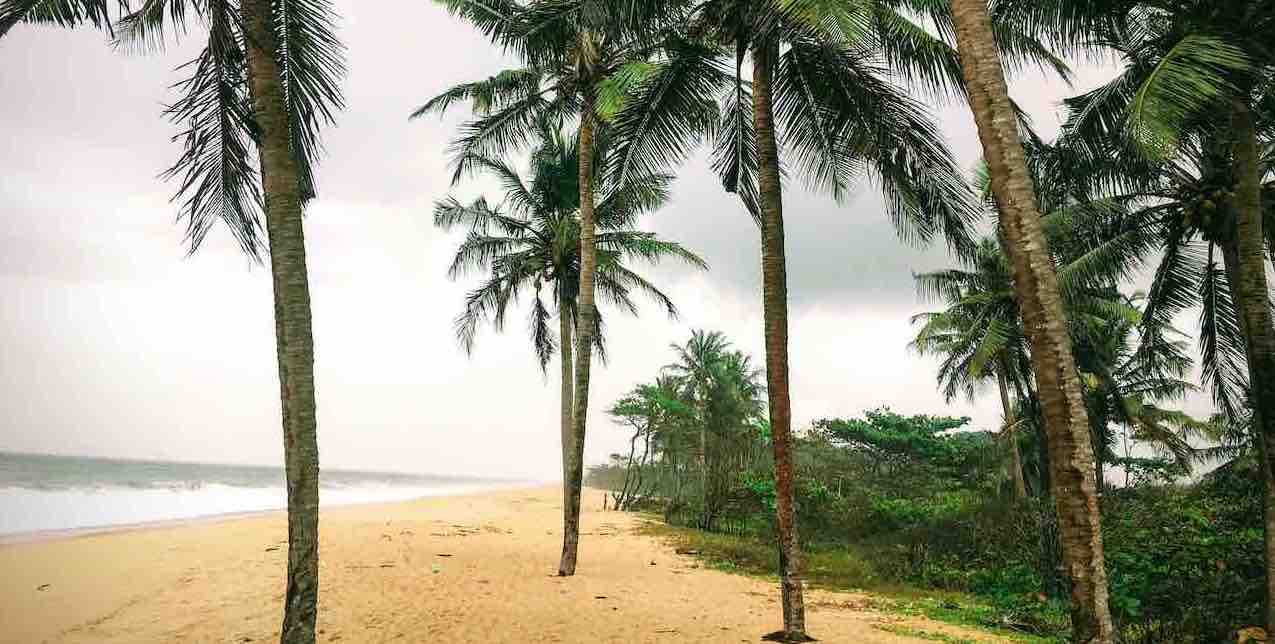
{"points": [[978, 337], [530, 241], [268, 77], [1040, 301], [822, 92], [724, 390], [1186, 63], [575, 60]]}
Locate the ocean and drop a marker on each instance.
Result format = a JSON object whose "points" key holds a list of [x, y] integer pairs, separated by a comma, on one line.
{"points": [[42, 493]]}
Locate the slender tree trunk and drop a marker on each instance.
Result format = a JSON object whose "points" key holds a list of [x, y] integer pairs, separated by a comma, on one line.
{"points": [[1036, 289], [705, 514], [1246, 273], [293, 337], [585, 328], [775, 310], [567, 384], [1016, 457]]}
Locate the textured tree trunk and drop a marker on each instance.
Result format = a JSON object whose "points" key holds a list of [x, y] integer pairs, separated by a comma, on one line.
{"points": [[1252, 298], [567, 384], [705, 515], [1071, 458], [585, 328], [1016, 457], [775, 311], [293, 337]]}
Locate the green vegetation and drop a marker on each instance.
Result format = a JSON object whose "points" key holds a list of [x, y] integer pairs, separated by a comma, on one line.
{"points": [[1170, 165], [896, 504]]}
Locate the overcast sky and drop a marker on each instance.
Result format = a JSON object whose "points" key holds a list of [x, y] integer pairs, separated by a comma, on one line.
{"points": [[114, 343]]}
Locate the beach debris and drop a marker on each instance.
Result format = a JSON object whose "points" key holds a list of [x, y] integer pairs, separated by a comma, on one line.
{"points": [[652, 563], [666, 630], [599, 596], [43, 587], [686, 551], [271, 548], [436, 569], [443, 554], [386, 537]]}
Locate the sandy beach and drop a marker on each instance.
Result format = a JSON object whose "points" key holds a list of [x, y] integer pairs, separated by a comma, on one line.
{"points": [[473, 568]]}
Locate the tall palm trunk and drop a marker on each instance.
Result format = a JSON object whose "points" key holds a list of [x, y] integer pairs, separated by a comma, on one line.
{"points": [[293, 337], [1071, 458], [1247, 276], [567, 384], [587, 315], [775, 311], [1016, 457]]}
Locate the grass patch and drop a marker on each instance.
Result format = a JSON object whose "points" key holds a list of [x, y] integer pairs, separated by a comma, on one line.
{"points": [[843, 568], [899, 629]]}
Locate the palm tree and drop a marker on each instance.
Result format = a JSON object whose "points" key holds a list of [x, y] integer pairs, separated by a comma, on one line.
{"points": [[531, 240], [574, 57], [822, 90], [697, 368], [724, 390], [268, 75], [1072, 471], [1187, 62], [978, 337]]}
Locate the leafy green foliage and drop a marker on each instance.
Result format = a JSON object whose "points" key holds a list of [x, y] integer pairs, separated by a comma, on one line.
{"points": [[529, 241]]}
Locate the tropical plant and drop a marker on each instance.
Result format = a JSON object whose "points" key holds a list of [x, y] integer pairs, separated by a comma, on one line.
{"points": [[978, 337], [268, 76], [821, 90], [573, 56], [1184, 64], [723, 390], [1039, 297], [530, 241]]}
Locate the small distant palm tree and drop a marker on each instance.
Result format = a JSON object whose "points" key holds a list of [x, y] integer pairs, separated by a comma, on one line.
{"points": [[724, 392], [529, 243], [979, 336]]}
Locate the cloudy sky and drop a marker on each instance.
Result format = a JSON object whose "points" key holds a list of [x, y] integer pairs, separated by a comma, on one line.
{"points": [[114, 343]]}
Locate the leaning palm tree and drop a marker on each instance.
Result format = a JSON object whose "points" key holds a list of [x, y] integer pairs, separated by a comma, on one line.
{"points": [[268, 77], [530, 241], [1039, 299], [572, 57]]}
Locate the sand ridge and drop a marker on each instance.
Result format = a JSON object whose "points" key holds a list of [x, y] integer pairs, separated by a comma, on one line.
{"points": [[472, 568]]}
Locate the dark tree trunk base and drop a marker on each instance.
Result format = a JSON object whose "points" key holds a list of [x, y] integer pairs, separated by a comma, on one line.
{"points": [[785, 636]]}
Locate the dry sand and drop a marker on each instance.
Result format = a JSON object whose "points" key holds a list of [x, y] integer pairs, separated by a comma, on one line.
{"points": [[473, 568]]}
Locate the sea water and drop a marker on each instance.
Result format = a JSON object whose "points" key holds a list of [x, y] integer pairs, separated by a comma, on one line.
{"points": [[40, 493]]}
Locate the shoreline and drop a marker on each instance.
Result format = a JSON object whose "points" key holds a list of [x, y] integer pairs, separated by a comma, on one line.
{"points": [[61, 534]]}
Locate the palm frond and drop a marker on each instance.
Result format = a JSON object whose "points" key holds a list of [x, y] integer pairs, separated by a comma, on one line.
{"points": [[311, 64], [216, 168]]}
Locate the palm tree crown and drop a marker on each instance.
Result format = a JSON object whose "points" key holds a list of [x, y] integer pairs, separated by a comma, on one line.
{"points": [[530, 242]]}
